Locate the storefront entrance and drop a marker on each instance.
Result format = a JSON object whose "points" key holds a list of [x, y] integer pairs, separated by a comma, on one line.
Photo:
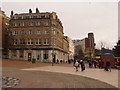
{"points": [[54, 58], [29, 56]]}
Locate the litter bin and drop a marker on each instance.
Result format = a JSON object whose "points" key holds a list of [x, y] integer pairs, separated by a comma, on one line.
{"points": [[33, 60]]}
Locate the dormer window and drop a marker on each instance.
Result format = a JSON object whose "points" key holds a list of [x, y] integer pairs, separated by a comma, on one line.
{"points": [[27, 17], [47, 16], [39, 16], [42, 16], [35, 17], [19, 17]]}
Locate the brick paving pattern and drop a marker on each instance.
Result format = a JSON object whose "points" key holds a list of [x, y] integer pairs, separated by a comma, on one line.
{"points": [[43, 79], [8, 82]]}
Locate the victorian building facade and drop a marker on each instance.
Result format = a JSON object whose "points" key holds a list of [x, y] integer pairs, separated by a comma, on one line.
{"points": [[4, 37], [39, 35]]}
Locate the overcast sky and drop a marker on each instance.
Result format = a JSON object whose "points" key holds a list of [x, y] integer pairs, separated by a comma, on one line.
{"points": [[78, 18]]}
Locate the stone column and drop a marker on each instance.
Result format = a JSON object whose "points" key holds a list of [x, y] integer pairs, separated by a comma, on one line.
{"points": [[25, 55], [50, 55], [42, 55], [18, 54], [10, 54], [34, 54]]}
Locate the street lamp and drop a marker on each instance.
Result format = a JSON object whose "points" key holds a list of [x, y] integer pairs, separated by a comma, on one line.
{"points": [[53, 47]]}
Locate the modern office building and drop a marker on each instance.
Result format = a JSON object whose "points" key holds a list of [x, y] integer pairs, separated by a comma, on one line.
{"points": [[39, 35], [87, 45]]}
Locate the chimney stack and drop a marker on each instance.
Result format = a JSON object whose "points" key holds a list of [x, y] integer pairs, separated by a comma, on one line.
{"points": [[11, 14], [37, 11], [30, 11]]}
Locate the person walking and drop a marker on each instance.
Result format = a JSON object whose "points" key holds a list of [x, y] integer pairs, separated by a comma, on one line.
{"points": [[69, 61], [108, 68], [90, 64], [100, 64], [76, 65], [82, 65], [57, 61], [95, 63], [74, 62]]}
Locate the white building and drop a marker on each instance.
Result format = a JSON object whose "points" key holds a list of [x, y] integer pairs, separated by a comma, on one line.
{"points": [[71, 48], [81, 43]]}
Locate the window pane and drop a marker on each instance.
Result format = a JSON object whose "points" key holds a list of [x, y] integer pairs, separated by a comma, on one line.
{"points": [[40, 41], [36, 41]]}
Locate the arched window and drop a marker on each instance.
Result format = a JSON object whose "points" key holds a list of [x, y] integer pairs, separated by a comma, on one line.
{"points": [[38, 32], [46, 41], [30, 32]]}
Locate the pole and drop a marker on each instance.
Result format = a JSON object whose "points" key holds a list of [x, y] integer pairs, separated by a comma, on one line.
{"points": [[52, 47]]}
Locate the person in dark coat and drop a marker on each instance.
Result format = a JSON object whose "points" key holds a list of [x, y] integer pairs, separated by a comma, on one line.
{"points": [[69, 61], [108, 66], [100, 64], [57, 61], [74, 62], [95, 63], [90, 64], [82, 65]]}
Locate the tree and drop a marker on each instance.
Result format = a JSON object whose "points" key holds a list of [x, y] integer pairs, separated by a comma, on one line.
{"points": [[102, 44], [116, 49], [78, 52]]}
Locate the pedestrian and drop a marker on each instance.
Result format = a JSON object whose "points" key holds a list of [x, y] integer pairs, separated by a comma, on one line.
{"points": [[68, 61], [108, 67], [82, 65], [57, 61], [100, 64], [76, 65], [90, 64], [95, 63], [74, 62]]}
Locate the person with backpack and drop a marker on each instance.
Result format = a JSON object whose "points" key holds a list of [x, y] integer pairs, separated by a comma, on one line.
{"points": [[76, 65], [108, 66], [82, 65], [95, 64]]}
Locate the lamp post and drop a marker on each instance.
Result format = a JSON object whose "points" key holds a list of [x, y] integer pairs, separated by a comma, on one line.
{"points": [[52, 47]]}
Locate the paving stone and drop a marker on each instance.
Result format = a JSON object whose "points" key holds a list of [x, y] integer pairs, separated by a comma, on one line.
{"points": [[46, 79], [9, 82]]}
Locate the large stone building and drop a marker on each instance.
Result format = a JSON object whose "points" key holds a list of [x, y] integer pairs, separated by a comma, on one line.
{"points": [[39, 35], [87, 45], [4, 42]]}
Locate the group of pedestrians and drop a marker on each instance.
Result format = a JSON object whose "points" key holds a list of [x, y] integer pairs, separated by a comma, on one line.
{"points": [[77, 65], [100, 64], [95, 64]]}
